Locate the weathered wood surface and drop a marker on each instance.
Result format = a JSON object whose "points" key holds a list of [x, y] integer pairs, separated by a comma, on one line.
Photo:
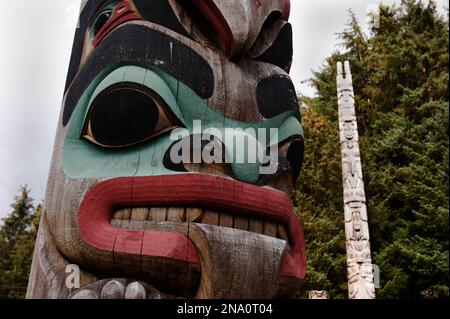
{"points": [[236, 264], [137, 225]]}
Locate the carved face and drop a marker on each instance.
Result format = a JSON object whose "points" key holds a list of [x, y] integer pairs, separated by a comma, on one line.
{"points": [[118, 204], [349, 130]]}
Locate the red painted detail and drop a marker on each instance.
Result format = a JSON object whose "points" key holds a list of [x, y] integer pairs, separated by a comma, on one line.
{"points": [[129, 241], [173, 245], [218, 21], [194, 190], [258, 4], [123, 12], [95, 228], [287, 10]]}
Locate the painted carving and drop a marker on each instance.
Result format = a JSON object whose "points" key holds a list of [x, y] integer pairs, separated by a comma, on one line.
{"points": [[359, 261], [318, 294], [137, 223]]}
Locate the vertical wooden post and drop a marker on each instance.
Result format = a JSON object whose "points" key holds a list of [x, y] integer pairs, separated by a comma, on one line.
{"points": [[359, 261]]}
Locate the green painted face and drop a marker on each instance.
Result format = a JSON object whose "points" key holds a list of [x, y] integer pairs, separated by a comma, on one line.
{"points": [[82, 159]]}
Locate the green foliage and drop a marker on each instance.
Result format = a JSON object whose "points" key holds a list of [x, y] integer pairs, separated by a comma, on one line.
{"points": [[318, 200], [17, 237], [400, 75]]}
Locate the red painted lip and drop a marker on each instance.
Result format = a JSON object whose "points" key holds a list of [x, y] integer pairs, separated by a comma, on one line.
{"points": [[194, 190]]}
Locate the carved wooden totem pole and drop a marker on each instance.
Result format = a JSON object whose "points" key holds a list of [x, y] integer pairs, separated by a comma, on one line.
{"points": [[359, 260], [136, 222]]}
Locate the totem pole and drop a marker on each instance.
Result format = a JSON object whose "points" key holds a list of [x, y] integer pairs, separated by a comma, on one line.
{"points": [[128, 210], [359, 260]]}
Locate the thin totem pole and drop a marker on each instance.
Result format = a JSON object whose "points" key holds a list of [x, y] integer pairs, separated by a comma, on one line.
{"points": [[359, 260], [118, 207]]}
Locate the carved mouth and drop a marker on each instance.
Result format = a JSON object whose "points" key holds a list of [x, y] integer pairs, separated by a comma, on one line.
{"points": [[154, 219], [147, 227]]}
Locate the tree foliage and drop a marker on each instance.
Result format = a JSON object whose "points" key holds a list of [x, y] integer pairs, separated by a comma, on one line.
{"points": [[17, 238], [400, 74]]}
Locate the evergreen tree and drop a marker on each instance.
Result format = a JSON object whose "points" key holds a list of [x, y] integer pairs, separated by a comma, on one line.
{"points": [[17, 238]]}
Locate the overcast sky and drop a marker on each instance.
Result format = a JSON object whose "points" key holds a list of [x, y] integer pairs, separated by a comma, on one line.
{"points": [[36, 38]]}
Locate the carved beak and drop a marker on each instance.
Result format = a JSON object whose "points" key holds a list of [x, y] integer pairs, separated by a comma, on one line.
{"points": [[239, 24]]}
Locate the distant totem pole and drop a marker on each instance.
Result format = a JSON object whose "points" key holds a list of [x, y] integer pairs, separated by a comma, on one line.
{"points": [[129, 214], [359, 260]]}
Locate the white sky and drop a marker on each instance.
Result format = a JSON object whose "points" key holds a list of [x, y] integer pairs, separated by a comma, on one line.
{"points": [[36, 38]]}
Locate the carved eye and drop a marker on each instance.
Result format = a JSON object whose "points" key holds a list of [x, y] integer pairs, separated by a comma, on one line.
{"points": [[100, 21], [126, 115]]}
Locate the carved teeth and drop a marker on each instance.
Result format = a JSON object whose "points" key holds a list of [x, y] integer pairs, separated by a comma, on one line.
{"points": [[256, 226], [270, 229], [226, 220], [135, 291], [158, 214], [176, 214], [210, 218], [241, 223], [123, 214], [85, 294], [113, 290], [193, 215], [148, 218], [282, 234], [140, 214]]}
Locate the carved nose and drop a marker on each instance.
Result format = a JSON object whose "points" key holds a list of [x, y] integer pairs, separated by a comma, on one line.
{"points": [[244, 153], [234, 153]]}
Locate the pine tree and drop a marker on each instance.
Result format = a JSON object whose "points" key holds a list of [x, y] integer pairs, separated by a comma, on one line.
{"points": [[17, 239]]}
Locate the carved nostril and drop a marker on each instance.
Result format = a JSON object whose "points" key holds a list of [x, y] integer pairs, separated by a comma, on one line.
{"points": [[203, 156], [289, 163], [238, 156]]}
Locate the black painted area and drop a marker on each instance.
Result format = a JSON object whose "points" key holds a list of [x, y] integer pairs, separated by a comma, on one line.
{"points": [[86, 15], [291, 163], [169, 164], [134, 44], [160, 12], [100, 22], [276, 95], [123, 117], [204, 142], [281, 51], [295, 157], [156, 11]]}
